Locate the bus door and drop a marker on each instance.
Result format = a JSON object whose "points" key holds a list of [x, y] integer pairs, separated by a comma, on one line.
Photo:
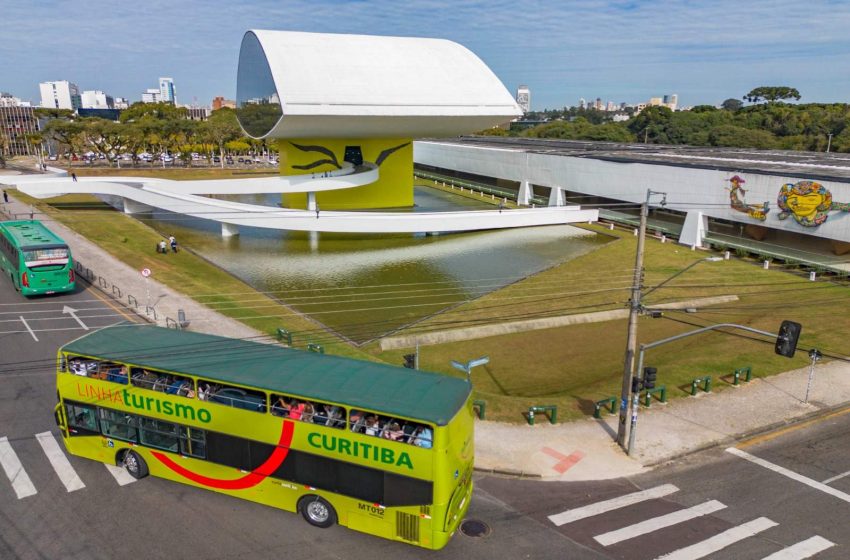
{"points": [[59, 415], [46, 267]]}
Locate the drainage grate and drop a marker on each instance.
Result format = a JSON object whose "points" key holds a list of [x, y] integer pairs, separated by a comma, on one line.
{"points": [[474, 528]]}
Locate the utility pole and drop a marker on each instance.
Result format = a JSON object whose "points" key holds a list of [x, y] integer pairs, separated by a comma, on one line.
{"points": [[634, 311], [829, 142]]}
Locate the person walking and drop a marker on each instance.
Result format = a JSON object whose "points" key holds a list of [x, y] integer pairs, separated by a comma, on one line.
{"points": [[161, 248], [173, 242], [5, 197], [74, 177]]}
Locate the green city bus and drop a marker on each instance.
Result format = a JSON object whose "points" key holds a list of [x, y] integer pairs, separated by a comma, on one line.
{"points": [[377, 448], [36, 259]]}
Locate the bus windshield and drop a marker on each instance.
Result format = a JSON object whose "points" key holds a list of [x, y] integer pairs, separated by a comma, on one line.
{"points": [[46, 257]]}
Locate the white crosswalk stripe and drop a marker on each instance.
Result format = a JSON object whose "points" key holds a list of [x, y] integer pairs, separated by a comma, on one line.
{"points": [[59, 462], [122, 477], [21, 483], [803, 549], [656, 523], [721, 541], [609, 505]]}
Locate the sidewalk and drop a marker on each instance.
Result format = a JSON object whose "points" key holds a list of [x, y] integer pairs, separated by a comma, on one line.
{"points": [[580, 450]]}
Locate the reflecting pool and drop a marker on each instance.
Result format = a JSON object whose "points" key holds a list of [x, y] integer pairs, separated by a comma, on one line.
{"points": [[365, 286]]}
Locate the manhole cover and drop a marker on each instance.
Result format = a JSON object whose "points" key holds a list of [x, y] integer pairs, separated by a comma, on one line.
{"points": [[474, 528]]}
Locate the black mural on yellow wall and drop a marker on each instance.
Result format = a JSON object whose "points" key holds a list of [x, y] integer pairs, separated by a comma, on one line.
{"points": [[332, 159]]}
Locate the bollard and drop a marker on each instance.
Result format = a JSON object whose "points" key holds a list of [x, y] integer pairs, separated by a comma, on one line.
{"points": [[766, 264], [748, 375], [635, 232], [812, 276], [663, 238], [726, 256], [662, 395], [550, 410], [481, 406], [610, 403], [315, 348], [284, 335], [706, 384], [611, 226]]}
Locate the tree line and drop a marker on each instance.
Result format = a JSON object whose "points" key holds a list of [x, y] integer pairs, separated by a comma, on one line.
{"points": [[152, 128], [769, 122]]}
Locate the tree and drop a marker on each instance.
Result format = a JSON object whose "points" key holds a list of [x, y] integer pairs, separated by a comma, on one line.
{"points": [[220, 129], [66, 133], [650, 125], [3, 144], [732, 104], [772, 94]]}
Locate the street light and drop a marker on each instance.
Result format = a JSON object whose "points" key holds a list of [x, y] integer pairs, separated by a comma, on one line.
{"points": [[828, 142], [467, 367]]}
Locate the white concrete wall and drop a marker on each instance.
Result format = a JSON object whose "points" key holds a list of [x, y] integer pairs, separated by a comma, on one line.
{"points": [[688, 189]]}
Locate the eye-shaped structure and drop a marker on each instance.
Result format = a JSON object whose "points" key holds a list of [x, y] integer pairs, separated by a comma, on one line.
{"points": [[320, 85]]}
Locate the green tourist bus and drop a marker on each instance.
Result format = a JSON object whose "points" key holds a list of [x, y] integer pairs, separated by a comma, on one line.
{"points": [[377, 448], [35, 259]]}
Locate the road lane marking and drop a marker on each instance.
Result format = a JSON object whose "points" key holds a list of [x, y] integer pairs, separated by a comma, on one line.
{"points": [[656, 523], [112, 305], [21, 482], [59, 462], [73, 313], [793, 428], [721, 541], [122, 477], [836, 477], [790, 474], [609, 505], [801, 550], [24, 321]]}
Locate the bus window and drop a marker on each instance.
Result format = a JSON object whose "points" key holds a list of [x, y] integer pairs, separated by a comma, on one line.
{"points": [[81, 416], [193, 442], [370, 424], [118, 425], [163, 382], [159, 434], [236, 397], [308, 411]]}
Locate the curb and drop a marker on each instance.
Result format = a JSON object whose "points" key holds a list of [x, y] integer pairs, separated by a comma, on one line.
{"points": [[508, 472], [742, 437]]}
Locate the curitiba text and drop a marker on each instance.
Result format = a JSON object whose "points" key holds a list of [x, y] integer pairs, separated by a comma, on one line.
{"points": [[141, 402], [359, 449]]}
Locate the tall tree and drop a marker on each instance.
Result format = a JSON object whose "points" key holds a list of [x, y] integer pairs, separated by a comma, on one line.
{"points": [[220, 128], [772, 94], [732, 104]]}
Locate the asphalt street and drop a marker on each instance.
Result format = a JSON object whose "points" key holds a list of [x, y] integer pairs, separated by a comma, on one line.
{"points": [[787, 492]]}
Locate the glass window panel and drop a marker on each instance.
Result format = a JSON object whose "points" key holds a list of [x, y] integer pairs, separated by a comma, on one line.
{"points": [[257, 101], [118, 425]]}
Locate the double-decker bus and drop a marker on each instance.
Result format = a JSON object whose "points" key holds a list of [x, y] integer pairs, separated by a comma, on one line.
{"points": [[377, 448], [35, 259]]}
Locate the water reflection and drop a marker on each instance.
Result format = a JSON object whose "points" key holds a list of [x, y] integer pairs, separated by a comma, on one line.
{"points": [[364, 286]]}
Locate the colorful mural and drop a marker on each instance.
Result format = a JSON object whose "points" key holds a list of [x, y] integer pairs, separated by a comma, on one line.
{"points": [[809, 203], [757, 211]]}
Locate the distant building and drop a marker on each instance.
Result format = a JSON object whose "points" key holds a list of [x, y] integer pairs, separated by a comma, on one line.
{"points": [[674, 102], [95, 99], [219, 102], [611, 107], [598, 105], [151, 95], [582, 103], [166, 91], [7, 100], [121, 103], [523, 98], [15, 123], [60, 95], [620, 117], [197, 113]]}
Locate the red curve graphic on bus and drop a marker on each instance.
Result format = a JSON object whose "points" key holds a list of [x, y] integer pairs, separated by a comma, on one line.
{"points": [[249, 480]]}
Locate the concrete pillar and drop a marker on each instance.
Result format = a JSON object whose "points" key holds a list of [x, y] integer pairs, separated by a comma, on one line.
{"points": [[556, 197], [694, 229], [526, 192], [133, 207], [229, 230], [314, 241], [311, 201]]}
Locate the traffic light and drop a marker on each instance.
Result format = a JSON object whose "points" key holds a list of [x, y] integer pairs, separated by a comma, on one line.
{"points": [[649, 374], [410, 361], [786, 340]]}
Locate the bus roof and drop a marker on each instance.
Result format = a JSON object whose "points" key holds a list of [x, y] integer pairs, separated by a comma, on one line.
{"points": [[30, 233], [388, 389]]}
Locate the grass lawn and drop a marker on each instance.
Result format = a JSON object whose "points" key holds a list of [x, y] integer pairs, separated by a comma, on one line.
{"points": [[575, 366]]}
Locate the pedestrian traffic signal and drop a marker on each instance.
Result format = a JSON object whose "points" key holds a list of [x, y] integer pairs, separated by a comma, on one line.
{"points": [[410, 361], [786, 341], [649, 374]]}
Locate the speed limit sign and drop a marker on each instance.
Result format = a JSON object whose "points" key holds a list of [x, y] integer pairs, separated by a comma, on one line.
{"points": [[146, 272]]}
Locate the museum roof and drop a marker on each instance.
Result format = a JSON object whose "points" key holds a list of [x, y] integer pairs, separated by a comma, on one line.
{"points": [[806, 165]]}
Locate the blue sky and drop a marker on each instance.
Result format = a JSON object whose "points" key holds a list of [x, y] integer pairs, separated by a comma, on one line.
{"points": [[618, 50]]}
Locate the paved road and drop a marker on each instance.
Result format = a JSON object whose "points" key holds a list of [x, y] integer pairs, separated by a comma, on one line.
{"points": [[785, 493]]}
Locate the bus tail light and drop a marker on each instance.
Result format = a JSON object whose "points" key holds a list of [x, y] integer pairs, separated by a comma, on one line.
{"points": [[25, 281], [71, 276]]}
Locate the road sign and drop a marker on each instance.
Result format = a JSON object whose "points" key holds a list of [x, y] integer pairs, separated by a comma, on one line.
{"points": [[146, 272]]}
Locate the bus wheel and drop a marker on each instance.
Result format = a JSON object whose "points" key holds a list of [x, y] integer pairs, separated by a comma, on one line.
{"points": [[135, 465], [317, 511]]}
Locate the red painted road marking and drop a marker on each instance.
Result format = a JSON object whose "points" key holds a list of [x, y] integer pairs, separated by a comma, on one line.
{"points": [[248, 481], [565, 462]]}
